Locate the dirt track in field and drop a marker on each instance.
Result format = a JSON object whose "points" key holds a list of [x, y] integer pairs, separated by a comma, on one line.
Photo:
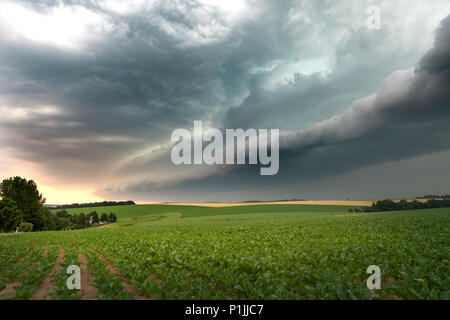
{"points": [[23, 258], [88, 291], [48, 284], [126, 283], [46, 250], [9, 291]]}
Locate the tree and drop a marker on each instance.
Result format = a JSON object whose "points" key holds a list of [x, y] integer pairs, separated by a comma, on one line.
{"points": [[82, 220], [389, 205], [417, 204], [62, 224], [93, 217], [112, 217], [49, 219], [27, 197], [62, 214], [96, 204], [10, 215], [432, 204], [368, 209], [25, 227], [404, 205], [386, 205], [104, 217], [75, 222]]}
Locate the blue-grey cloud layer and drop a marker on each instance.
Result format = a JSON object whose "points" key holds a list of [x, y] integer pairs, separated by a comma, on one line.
{"points": [[124, 95]]}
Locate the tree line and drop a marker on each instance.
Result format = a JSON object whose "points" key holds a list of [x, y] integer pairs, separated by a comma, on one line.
{"points": [[22, 207], [95, 204], [389, 205], [435, 196], [67, 221]]}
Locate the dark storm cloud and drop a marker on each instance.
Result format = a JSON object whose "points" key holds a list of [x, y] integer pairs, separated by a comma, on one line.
{"points": [[138, 86], [408, 117], [362, 61], [106, 109], [437, 60], [138, 82]]}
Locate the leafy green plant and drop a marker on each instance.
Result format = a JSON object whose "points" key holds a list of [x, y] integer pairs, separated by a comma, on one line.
{"points": [[256, 252], [61, 291], [109, 287], [34, 275], [25, 227]]}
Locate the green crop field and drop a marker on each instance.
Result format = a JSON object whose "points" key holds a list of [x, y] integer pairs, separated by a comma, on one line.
{"points": [[246, 252], [196, 211]]}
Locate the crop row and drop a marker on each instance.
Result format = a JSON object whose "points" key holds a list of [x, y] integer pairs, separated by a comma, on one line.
{"points": [[307, 258], [61, 290], [33, 276]]}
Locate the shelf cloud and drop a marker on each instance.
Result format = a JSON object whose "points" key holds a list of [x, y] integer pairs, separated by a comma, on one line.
{"points": [[91, 91]]}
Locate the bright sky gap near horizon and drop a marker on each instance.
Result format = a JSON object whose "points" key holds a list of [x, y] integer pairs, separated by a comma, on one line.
{"points": [[90, 92]]}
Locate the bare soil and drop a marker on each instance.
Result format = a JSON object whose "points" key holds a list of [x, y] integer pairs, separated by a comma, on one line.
{"points": [[9, 291], [48, 284], [88, 291]]}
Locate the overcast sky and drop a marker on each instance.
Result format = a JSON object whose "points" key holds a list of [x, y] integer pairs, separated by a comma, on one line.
{"points": [[90, 92]]}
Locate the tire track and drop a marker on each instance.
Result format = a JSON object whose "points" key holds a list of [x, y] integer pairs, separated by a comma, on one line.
{"points": [[48, 284], [9, 292], [87, 291], [126, 283]]}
